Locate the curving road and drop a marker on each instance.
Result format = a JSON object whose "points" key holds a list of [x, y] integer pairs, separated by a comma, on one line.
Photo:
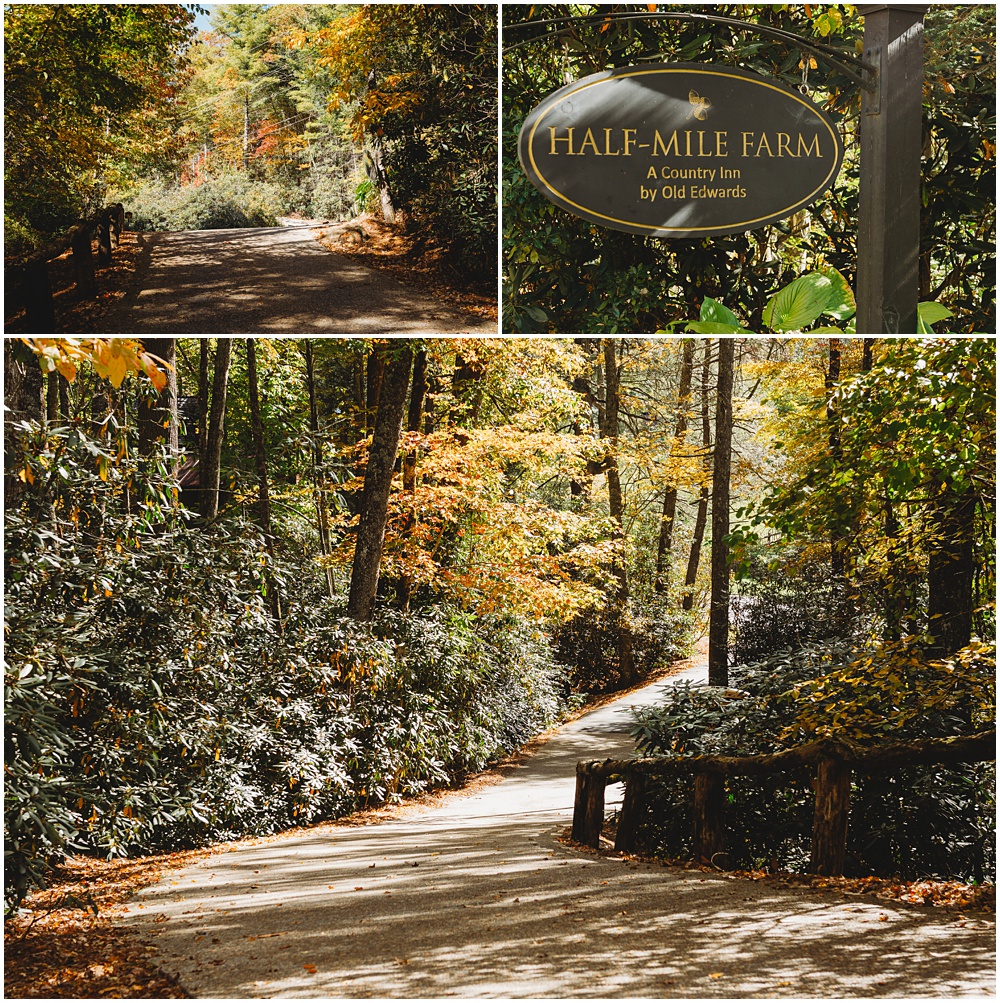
{"points": [[478, 898], [277, 280]]}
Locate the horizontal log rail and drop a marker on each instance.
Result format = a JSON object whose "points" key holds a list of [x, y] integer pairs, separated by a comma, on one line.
{"points": [[30, 275], [835, 760]]}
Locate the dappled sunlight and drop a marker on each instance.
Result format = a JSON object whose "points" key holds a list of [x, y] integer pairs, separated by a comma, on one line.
{"points": [[276, 279], [478, 897]]}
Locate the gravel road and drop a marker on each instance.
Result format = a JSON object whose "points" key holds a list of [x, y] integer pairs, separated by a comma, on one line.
{"points": [[477, 898], [277, 280]]}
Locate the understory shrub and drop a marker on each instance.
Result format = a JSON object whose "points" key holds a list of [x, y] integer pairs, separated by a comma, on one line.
{"points": [[913, 822], [229, 201], [786, 598], [152, 702], [588, 643]]}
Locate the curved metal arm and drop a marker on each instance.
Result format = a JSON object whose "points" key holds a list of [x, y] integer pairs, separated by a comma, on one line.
{"points": [[842, 61]]}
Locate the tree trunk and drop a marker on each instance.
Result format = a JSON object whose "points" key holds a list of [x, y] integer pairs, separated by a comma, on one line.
{"points": [[466, 392], [701, 519], [829, 836], [418, 391], [374, 371], [718, 629], [838, 562], [260, 452], [158, 414], [378, 481], [626, 661], [203, 367], [376, 174], [260, 456], [950, 572], [866, 354], [666, 540], [52, 397], [212, 469], [319, 479]]}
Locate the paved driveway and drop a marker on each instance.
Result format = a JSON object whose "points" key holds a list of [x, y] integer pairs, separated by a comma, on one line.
{"points": [[478, 898], [277, 280]]}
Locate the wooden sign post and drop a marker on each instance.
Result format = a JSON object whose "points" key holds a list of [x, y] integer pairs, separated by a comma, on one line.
{"points": [[889, 212]]}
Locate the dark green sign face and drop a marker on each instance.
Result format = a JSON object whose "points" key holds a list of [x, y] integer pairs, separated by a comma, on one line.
{"points": [[679, 150]]}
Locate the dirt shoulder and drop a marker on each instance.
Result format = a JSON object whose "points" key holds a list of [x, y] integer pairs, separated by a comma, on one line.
{"points": [[391, 248]]}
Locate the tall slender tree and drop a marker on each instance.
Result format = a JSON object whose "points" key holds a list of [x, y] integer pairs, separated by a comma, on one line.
{"points": [[378, 481], [616, 504], [319, 479], [718, 629], [418, 391], [701, 516], [212, 468], [158, 413], [666, 538]]}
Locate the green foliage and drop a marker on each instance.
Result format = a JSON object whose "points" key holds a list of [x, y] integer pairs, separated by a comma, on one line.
{"points": [[958, 221], [915, 439], [588, 643], [232, 200], [918, 821], [85, 104], [153, 703], [795, 307], [895, 690], [784, 599]]}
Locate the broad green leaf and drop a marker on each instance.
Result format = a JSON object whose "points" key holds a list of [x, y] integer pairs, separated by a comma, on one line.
{"points": [[842, 304], [797, 305], [714, 312], [929, 313]]}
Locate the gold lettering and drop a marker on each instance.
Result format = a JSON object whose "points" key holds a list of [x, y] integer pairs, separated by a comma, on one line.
{"points": [[701, 144], [588, 140], [607, 145], [567, 139], [651, 173], [783, 140], [625, 136], [763, 142], [672, 145], [804, 149], [687, 139], [720, 144], [747, 143]]}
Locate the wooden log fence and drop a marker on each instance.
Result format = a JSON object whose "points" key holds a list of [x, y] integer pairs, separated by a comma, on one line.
{"points": [[30, 275], [835, 761]]}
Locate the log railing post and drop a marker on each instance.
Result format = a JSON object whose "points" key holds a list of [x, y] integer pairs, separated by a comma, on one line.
{"points": [[626, 838], [588, 809], [829, 837], [117, 219], [709, 825], [83, 264], [104, 238], [38, 307]]}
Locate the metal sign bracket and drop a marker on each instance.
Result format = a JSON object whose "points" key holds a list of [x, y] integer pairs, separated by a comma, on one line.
{"points": [[873, 94]]}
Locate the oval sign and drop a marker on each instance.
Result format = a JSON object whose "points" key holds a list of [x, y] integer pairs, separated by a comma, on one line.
{"points": [[679, 150]]}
